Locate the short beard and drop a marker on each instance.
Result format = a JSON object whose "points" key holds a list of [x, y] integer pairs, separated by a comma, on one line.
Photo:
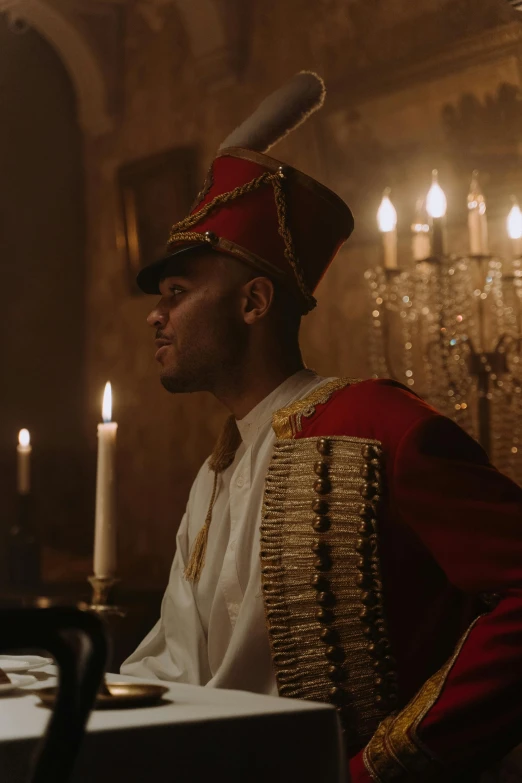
{"points": [[177, 385], [212, 362]]}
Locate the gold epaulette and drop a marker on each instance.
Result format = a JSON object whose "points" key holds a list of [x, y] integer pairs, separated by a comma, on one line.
{"points": [[286, 422]]}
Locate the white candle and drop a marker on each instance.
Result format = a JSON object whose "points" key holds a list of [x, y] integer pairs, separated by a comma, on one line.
{"points": [[477, 221], [514, 227], [387, 222], [105, 521], [436, 206], [420, 233], [23, 458]]}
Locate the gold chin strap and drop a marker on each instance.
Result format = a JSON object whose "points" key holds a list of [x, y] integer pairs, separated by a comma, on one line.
{"points": [[222, 456]]}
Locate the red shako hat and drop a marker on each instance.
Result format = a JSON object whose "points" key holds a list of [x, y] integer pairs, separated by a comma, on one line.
{"points": [[262, 212]]}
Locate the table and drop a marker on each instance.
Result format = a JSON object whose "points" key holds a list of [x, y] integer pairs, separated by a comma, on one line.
{"points": [[202, 735]]}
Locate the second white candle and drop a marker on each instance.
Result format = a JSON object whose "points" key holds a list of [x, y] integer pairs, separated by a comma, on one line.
{"points": [[105, 555]]}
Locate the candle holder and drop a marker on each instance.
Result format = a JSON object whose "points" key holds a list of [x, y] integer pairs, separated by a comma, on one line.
{"points": [[111, 695], [112, 615], [115, 695], [101, 601]]}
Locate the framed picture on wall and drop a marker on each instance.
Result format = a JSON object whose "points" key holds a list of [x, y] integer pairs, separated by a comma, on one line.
{"points": [[155, 192]]}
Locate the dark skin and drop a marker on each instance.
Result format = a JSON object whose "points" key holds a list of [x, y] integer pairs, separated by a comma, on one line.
{"points": [[224, 329]]}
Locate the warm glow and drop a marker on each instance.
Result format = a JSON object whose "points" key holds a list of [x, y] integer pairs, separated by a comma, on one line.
{"points": [[514, 222], [386, 214], [107, 403], [24, 438], [436, 203]]}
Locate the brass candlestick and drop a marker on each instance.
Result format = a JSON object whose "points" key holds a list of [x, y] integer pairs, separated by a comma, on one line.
{"points": [[103, 605], [112, 695], [101, 601]]}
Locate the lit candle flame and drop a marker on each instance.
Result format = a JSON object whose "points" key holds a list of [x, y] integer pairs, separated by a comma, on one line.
{"points": [[107, 403], [386, 214], [436, 203], [514, 221], [24, 439]]}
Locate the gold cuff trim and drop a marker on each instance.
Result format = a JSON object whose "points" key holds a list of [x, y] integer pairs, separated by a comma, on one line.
{"points": [[286, 422], [395, 752]]}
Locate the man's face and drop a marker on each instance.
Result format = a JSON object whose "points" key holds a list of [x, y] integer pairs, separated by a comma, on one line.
{"points": [[199, 329]]}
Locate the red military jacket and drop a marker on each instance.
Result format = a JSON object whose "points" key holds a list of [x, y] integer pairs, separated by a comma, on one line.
{"points": [[391, 556]]}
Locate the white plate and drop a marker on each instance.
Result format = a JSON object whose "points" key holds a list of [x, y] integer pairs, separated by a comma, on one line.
{"points": [[17, 681], [23, 663]]}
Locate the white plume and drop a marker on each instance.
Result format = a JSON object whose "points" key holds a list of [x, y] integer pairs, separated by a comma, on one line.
{"points": [[281, 112]]}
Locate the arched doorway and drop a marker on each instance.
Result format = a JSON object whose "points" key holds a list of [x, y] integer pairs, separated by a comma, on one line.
{"points": [[42, 233]]}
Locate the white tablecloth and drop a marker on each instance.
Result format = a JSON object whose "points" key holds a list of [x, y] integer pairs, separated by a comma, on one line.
{"points": [[202, 735]]}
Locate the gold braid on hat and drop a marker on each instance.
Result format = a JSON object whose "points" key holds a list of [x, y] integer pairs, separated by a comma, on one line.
{"points": [[180, 232]]}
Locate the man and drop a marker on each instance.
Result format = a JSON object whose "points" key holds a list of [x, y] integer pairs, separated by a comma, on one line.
{"points": [[344, 542]]}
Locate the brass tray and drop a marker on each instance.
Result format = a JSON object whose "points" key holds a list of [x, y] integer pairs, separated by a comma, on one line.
{"points": [[115, 695]]}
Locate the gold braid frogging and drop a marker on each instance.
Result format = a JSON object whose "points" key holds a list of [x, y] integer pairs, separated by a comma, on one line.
{"points": [[180, 231]]}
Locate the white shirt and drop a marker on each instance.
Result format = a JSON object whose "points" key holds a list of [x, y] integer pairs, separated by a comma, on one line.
{"points": [[214, 632]]}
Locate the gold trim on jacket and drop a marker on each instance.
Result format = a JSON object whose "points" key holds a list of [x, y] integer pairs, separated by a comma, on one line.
{"points": [[395, 752], [321, 575]]}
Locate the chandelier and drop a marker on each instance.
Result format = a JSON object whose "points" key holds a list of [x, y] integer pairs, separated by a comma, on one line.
{"points": [[450, 326]]}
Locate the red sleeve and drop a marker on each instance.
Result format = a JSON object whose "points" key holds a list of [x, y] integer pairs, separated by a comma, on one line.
{"points": [[469, 714]]}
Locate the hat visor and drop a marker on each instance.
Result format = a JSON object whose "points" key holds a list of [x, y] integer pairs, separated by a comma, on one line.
{"points": [[149, 278]]}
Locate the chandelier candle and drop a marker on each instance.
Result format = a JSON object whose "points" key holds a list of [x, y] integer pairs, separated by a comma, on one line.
{"points": [[477, 221], [23, 453], [105, 521], [387, 222], [420, 233], [436, 206], [514, 228]]}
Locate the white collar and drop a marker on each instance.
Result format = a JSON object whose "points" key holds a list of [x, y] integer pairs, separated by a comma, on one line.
{"points": [[250, 425]]}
